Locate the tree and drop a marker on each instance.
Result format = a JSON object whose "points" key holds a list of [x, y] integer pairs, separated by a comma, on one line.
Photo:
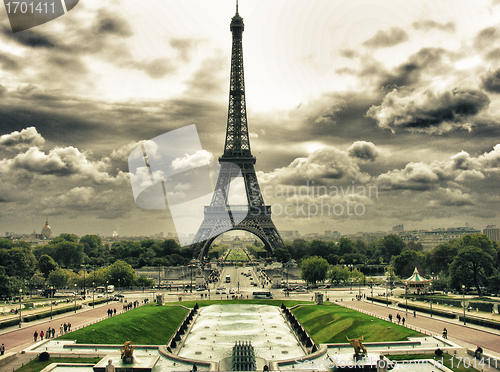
{"points": [[472, 266], [339, 274], [314, 269], [69, 254], [123, 271], [18, 262], [405, 263], [282, 255], [46, 264], [59, 278]]}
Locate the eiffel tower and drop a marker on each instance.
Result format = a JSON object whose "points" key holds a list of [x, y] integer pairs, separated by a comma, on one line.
{"points": [[255, 216]]}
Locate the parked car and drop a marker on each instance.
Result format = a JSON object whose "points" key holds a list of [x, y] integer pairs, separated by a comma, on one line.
{"points": [[231, 291]]}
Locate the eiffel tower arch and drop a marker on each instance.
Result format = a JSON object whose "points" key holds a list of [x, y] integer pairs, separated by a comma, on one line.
{"points": [[237, 160]]}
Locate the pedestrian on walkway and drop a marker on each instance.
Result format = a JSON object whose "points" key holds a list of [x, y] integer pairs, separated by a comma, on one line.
{"points": [[35, 335], [47, 335], [61, 330], [65, 327], [2, 349], [41, 335], [390, 317], [114, 312], [414, 314], [403, 320], [69, 327], [445, 333], [53, 332]]}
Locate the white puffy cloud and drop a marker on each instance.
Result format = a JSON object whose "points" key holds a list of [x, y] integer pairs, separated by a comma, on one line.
{"points": [[199, 158], [427, 111], [62, 162], [17, 141]]}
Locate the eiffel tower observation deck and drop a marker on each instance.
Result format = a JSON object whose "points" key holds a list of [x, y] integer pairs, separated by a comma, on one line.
{"points": [[236, 161]]}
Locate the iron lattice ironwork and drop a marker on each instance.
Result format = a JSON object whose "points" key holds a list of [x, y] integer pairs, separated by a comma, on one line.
{"points": [[237, 158]]}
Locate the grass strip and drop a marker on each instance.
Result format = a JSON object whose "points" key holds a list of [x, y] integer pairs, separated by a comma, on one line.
{"points": [[36, 365], [331, 323]]}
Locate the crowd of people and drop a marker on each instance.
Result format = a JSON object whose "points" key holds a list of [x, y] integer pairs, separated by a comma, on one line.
{"points": [[51, 332]]}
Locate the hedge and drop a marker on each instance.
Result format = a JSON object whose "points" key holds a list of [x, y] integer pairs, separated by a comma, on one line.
{"points": [[481, 322], [32, 317], [482, 306], [378, 299], [428, 311]]}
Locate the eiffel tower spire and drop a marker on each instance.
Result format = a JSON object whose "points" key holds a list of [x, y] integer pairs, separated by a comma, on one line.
{"points": [[237, 139], [237, 160]]}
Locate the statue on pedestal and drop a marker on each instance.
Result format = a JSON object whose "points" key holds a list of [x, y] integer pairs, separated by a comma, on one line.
{"points": [[128, 352], [358, 346]]}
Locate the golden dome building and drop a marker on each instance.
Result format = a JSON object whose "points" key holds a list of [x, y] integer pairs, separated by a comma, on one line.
{"points": [[47, 231]]}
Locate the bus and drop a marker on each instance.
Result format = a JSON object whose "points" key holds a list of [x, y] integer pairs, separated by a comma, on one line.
{"points": [[262, 294], [100, 290], [228, 278], [111, 288]]}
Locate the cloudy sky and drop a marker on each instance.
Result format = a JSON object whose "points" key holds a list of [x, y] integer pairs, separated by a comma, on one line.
{"points": [[400, 98]]}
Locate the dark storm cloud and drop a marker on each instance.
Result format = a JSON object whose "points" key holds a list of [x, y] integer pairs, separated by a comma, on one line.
{"points": [[428, 24], [9, 62], [426, 109], [363, 150], [209, 78], [30, 38], [494, 54], [184, 46], [486, 37], [157, 68], [109, 23], [491, 81], [409, 72], [385, 39]]}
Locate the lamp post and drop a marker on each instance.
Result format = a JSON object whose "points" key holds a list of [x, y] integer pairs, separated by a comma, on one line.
{"points": [[20, 298], [463, 288], [84, 285], [93, 293], [107, 297], [371, 286], [51, 293], [118, 285], [406, 298], [75, 298], [386, 294], [432, 278]]}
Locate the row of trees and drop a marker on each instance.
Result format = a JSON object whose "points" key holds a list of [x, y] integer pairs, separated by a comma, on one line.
{"points": [[346, 251], [66, 260], [472, 261]]}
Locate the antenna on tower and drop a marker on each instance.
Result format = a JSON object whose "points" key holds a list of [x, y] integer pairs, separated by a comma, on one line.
{"points": [[236, 6]]}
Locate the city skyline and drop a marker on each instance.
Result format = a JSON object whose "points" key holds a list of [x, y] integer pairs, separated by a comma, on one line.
{"points": [[343, 98]]}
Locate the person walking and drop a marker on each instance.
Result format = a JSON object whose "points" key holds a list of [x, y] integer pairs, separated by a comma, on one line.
{"points": [[53, 332], [35, 335], [47, 334], [2, 349], [69, 327], [61, 330], [41, 335], [403, 321], [445, 333]]}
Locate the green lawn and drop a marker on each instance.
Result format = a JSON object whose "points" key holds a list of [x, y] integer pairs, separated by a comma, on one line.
{"points": [[146, 325], [237, 255], [331, 323], [448, 361], [154, 325], [36, 365]]}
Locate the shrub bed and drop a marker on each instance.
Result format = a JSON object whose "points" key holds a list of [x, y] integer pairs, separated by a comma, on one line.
{"points": [[428, 311], [482, 322]]}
